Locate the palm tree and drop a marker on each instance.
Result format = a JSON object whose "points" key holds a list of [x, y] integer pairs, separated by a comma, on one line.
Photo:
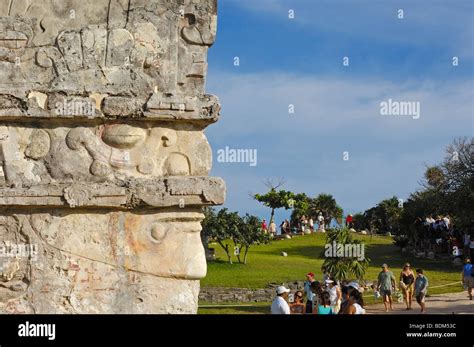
{"points": [[342, 268]]}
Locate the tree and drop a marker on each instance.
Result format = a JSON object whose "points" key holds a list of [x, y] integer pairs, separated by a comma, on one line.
{"points": [[448, 188], [360, 221], [301, 207], [251, 233], [341, 268], [227, 228], [326, 204], [385, 216], [221, 226], [275, 198]]}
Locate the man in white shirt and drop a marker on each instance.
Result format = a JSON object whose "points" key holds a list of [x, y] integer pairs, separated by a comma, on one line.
{"points": [[280, 304], [321, 222], [447, 221]]}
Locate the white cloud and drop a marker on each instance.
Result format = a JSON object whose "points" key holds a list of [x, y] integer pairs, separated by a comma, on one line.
{"points": [[387, 153]]}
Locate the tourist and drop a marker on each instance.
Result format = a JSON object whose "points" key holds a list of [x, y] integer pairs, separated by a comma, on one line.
{"points": [[429, 223], [287, 227], [264, 226], [335, 295], [272, 228], [471, 248], [421, 287], [355, 303], [311, 224], [407, 281], [303, 223], [344, 299], [326, 274], [321, 222], [447, 222], [280, 304], [468, 276], [349, 219], [467, 243], [309, 293], [298, 307], [317, 290], [324, 306], [282, 228], [385, 284]]}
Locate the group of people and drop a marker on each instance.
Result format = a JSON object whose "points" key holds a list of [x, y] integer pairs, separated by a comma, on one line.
{"points": [[325, 297], [305, 225], [439, 224], [410, 285]]}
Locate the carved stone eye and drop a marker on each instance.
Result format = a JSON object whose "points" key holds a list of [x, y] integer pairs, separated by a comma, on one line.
{"points": [[157, 232]]}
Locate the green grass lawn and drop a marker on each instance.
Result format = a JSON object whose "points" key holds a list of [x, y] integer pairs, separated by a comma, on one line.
{"points": [[266, 265]]}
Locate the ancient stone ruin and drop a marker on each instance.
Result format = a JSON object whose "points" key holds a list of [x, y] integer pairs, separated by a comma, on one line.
{"points": [[103, 158]]}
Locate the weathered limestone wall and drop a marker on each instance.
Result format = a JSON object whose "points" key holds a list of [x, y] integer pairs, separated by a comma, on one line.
{"points": [[103, 160]]}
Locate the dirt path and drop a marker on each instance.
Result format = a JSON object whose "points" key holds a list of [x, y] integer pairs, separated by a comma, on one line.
{"points": [[437, 304]]}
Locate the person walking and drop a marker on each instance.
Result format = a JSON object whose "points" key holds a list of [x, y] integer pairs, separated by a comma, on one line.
{"points": [[385, 285], [468, 276], [421, 288], [280, 304], [407, 282], [309, 292]]}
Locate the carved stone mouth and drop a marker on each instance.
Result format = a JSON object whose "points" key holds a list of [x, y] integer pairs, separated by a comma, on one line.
{"points": [[13, 39]]}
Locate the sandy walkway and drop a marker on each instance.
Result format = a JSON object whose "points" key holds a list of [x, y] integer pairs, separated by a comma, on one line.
{"points": [[437, 304]]}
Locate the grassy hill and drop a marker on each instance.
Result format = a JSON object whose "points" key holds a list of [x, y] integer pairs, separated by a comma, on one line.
{"points": [[265, 264]]}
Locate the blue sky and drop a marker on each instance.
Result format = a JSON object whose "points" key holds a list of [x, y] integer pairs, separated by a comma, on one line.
{"points": [[298, 61]]}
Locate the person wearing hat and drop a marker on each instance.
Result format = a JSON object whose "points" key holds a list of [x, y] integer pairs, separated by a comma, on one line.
{"points": [[468, 276], [348, 298], [280, 304], [385, 284], [335, 295], [407, 280], [309, 293]]}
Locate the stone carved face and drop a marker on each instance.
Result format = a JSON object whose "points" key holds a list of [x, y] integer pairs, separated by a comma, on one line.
{"points": [[106, 45], [167, 244]]}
